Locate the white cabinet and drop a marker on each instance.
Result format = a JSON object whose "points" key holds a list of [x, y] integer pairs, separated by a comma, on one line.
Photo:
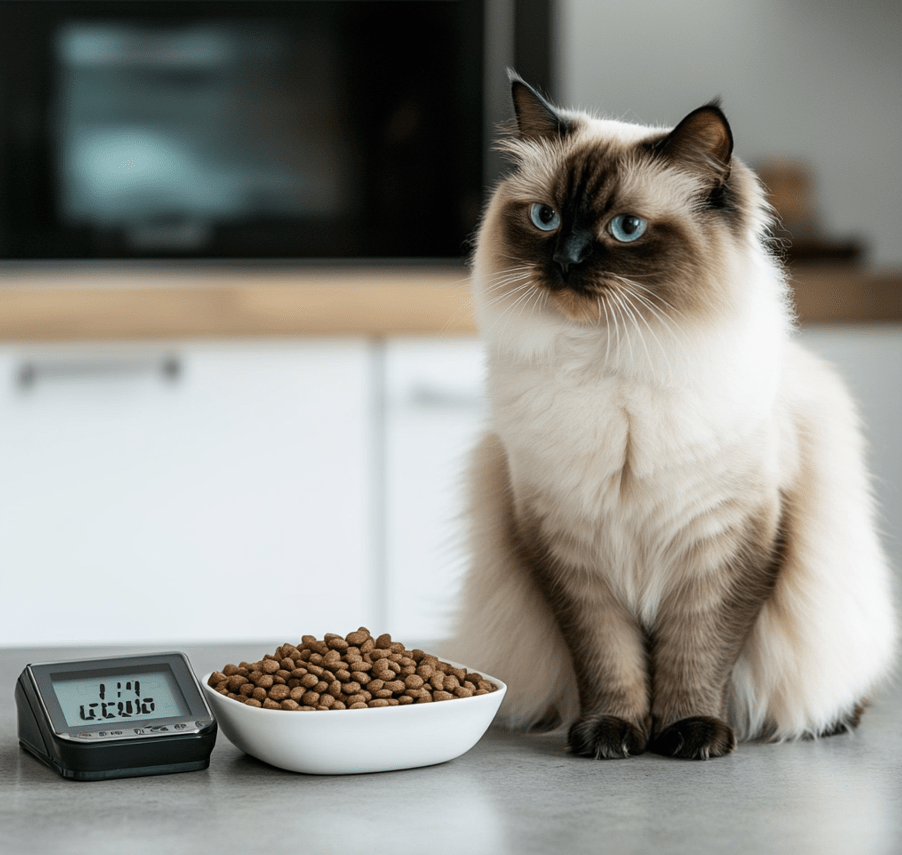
{"points": [[194, 491], [259, 490], [434, 411]]}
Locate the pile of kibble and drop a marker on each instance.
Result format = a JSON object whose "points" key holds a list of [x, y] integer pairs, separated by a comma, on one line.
{"points": [[351, 672]]}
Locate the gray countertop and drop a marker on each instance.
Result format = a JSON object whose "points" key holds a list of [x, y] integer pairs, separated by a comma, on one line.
{"points": [[509, 794]]}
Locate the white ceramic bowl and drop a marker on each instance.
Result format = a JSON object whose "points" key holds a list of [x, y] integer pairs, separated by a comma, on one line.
{"points": [[345, 742]]}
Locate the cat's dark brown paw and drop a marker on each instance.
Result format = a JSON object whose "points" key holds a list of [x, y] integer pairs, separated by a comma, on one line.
{"points": [[697, 738], [606, 737]]}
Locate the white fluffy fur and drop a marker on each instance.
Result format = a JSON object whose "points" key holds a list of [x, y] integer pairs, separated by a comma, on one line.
{"points": [[704, 405]]}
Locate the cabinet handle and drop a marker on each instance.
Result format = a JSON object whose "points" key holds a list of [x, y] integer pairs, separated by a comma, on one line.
{"points": [[429, 396], [33, 371]]}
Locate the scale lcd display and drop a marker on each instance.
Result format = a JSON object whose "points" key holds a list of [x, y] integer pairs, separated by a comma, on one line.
{"points": [[114, 697]]}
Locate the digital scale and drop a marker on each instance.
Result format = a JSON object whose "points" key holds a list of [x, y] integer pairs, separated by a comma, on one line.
{"points": [[121, 717]]}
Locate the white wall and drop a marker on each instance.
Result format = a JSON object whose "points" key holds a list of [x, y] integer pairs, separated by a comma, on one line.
{"points": [[815, 78]]}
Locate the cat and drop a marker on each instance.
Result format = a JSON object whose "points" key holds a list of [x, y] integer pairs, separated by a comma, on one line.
{"points": [[671, 539]]}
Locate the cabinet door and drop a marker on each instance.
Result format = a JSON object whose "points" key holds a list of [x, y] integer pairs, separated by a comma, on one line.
{"points": [[198, 491], [434, 413]]}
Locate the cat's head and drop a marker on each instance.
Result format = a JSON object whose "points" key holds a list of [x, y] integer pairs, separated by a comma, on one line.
{"points": [[602, 224]]}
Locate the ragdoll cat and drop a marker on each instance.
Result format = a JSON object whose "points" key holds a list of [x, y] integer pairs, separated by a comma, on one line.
{"points": [[671, 542]]}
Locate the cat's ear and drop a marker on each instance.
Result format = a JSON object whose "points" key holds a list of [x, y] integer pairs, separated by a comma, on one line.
{"points": [[537, 118], [703, 141]]}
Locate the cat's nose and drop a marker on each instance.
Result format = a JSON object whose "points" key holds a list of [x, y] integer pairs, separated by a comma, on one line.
{"points": [[571, 252]]}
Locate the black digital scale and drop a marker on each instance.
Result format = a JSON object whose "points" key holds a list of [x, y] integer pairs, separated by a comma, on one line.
{"points": [[122, 717]]}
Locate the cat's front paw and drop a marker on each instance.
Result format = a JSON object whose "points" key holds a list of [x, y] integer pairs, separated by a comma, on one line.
{"points": [[699, 737], [606, 737]]}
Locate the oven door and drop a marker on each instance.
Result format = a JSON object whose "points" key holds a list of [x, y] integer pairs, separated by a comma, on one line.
{"points": [[301, 129]]}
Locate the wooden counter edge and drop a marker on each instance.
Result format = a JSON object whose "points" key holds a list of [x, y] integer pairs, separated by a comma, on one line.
{"points": [[175, 304], [234, 304]]}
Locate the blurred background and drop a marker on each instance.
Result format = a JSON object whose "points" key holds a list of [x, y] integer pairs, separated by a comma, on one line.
{"points": [[238, 376]]}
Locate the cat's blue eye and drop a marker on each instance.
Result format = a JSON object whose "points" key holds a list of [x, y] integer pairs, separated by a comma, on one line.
{"points": [[628, 227], [544, 217]]}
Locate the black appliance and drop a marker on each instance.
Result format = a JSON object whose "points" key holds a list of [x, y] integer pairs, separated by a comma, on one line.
{"points": [[263, 129]]}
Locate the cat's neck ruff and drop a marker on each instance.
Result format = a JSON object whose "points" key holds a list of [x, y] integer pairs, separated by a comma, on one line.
{"points": [[686, 392]]}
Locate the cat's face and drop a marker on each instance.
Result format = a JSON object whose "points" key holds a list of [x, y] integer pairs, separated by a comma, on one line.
{"points": [[604, 223]]}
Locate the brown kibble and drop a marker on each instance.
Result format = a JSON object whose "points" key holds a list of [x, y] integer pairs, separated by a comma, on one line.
{"points": [[357, 638], [346, 673], [415, 693]]}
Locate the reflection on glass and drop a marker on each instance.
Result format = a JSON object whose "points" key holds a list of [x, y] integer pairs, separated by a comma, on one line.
{"points": [[168, 129]]}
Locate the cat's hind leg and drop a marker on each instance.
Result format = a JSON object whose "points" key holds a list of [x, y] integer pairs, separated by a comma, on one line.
{"points": [[504, 626]]}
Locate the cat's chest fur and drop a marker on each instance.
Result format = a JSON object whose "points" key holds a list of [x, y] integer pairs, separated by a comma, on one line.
{"points": [[619, 476]]}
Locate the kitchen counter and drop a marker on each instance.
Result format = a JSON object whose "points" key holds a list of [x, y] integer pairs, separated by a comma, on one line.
{"points": [[509, 794], [70, 302]]}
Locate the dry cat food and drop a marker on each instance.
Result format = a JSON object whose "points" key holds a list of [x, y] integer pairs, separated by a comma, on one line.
{"points": [[351, 672]]}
